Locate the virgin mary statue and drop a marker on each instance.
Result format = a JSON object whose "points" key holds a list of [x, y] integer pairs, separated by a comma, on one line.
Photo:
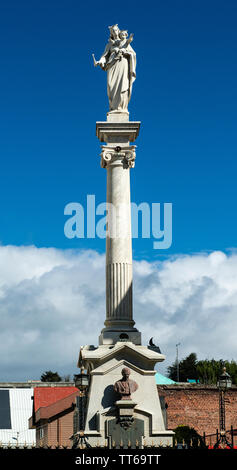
{"points": [[119, 60]]}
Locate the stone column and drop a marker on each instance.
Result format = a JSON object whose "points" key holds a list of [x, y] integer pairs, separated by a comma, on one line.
{"points": [[117, 157]]}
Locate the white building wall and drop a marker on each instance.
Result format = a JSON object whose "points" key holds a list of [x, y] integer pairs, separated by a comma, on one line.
{"points": [[21, 410]]}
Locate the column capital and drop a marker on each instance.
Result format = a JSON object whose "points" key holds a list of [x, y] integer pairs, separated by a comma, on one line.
{"points": [[124, 156]]}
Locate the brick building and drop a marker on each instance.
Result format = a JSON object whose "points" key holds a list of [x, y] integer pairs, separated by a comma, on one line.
{"points": [[53, 409]]}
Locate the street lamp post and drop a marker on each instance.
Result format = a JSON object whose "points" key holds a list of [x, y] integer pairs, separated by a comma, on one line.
{"points": [[223, 384], [82, 383]]}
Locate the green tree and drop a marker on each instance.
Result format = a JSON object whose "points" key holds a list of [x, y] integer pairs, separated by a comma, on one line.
{"points": [[187, 369], [210, 370], [49, 376], [206, 371], [231, 368], [188, 434]]}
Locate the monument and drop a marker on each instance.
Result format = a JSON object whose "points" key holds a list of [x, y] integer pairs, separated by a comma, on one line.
{"points": [[112, 415]]}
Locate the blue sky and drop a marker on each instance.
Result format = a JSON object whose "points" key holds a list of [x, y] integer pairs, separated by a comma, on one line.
{"points": [[51, 96], [185, 96]]}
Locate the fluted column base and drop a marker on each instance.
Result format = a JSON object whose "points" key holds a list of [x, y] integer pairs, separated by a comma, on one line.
{"points": [[113, 334], [119, 294]]}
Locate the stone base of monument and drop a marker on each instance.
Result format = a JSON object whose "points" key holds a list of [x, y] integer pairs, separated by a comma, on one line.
{"points": [[118, 116], [125, 430], [110, 421], [111, 335]]}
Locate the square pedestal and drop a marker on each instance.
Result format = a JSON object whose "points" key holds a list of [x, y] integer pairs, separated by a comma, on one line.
{"points": [[105, 412]]}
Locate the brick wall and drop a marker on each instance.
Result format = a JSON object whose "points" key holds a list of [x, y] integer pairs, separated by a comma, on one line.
{"points": [[197, 406]]}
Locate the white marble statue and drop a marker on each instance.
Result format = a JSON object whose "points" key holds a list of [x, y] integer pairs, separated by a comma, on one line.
{"points": [[119, 60]]}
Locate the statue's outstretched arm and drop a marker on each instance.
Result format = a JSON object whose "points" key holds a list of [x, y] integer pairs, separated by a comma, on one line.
{"points": [[102, 60]]}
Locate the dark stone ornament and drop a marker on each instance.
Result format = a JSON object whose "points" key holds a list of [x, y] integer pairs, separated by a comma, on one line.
{"points": [[126, 422], [129, 436]]}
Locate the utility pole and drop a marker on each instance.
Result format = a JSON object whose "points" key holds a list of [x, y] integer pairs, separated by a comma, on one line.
{"points": [[177, 360]]}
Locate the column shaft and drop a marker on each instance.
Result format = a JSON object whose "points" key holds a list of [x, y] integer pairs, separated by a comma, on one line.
{"points": [[117, 157], [118, 246]]}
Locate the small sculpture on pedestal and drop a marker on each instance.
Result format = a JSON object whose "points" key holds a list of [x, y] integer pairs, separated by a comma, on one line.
{"points": [[125, 386], [125, 406]]}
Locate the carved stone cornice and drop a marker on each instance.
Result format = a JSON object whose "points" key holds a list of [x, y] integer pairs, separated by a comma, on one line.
{"points": [[124, 156], [117, 131]]}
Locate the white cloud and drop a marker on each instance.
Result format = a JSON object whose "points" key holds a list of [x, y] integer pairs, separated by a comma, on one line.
{"points": [[192, 300], [53, 301]]}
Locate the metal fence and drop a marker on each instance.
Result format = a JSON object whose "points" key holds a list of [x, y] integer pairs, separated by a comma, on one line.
{"points": [[231, 436], [176, 445], [207, 441]]}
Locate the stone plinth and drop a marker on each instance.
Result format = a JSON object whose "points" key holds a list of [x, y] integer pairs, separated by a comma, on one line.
{"points": [[117, 132], [125, 407], [104, 365]]}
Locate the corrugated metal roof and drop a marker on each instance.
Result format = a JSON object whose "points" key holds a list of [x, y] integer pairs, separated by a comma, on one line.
{"points": [[20, 411], [162, 380]]}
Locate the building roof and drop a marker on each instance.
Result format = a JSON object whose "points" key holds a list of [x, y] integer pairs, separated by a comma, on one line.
{"points": [[50, 401], [162, 380], [45, 396], [100, 355], [33, 384]]}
